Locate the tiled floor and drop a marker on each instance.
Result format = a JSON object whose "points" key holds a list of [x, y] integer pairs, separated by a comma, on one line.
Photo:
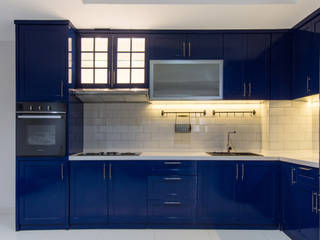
{"points": [[7, 233]]}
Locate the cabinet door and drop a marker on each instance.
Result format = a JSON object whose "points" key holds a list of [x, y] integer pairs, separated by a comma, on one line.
{"points": [[168, 46], [42, 193], [216, 193], [281, 66], [235, 50], [88, 193], [257, 71], [128, 192], [205, 46], [41, 62], [257, 193]]}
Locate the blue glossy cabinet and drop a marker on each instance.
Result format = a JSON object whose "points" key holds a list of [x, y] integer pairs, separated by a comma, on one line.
{"points": [[127, 192], [41, 60], [281, 71], [216, 193], [238, 193], [247, 66], [186, 46], [257, 193], [42, 194], [88, 193], [299, 201]]}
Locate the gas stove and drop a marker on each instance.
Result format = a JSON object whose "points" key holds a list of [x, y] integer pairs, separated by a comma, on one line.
{"points": [[110, 154]]}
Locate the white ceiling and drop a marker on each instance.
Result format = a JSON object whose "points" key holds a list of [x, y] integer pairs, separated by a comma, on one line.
{"points": [[153, 16]]}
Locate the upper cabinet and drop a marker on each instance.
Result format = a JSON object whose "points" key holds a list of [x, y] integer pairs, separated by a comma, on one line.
{"points": [[306, 59], [186, 46], [42, 60], [113, 61], [247, 66]]}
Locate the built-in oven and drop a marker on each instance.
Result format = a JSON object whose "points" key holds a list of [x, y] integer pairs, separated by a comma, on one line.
{"points": [[41, 129]]}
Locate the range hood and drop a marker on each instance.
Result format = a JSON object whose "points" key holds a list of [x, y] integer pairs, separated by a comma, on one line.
{"points": [[103, 95]]}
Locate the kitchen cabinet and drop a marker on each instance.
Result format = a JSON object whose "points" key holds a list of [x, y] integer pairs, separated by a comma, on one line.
{"points": [[186, 46], [89, 193], [306, 62], [172, 188], [238, 193], [281, 72], [41, 60], [299, 201], [128, 192], [42, 194], [257, 189], [247, 66], [216, 193]]}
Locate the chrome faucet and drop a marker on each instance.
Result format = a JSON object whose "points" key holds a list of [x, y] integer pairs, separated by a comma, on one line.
{"points": [[229, 146]]}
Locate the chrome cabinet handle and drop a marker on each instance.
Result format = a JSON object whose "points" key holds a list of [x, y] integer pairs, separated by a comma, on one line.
{"points": [[242, 176], [104, 171], [305, 169], [172, 163], [314, 202], [244, 90], [62, 171], [184, 48], [250, 91], [62, 89], [32, 116], [189, 49], [172, 179], [110, 171], [172, 203], [308, 84], [292, 176], [237, 172]]}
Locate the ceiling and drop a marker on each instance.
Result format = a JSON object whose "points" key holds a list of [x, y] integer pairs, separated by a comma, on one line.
{"points": [[243, 15]]}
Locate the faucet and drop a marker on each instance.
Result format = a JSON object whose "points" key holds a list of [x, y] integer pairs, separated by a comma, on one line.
{"points": [[229, 147]]}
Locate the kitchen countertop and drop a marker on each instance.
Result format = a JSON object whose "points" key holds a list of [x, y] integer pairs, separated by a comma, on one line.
{"points": [[196, 156]]}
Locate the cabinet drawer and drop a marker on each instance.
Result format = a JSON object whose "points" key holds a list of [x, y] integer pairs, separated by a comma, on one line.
{"points": [[307, 171], [164, 211], [173, 168], [167, 187]]}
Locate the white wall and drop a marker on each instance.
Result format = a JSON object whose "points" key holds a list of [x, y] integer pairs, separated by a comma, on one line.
{"points": [[7, 126]]}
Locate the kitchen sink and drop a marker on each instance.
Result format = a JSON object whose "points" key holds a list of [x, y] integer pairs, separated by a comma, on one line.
{"points": [[233, 154]]}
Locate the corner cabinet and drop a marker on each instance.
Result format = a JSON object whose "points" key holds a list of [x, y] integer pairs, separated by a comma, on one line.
{"points": [[42, 60], [247, 66], [42, 194]]}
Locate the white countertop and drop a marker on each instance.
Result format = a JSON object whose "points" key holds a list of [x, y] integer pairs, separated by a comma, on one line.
{"points": [[180, 156]]}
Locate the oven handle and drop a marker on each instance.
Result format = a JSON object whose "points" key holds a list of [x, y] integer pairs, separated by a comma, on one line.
{"points": [[39, 116]]}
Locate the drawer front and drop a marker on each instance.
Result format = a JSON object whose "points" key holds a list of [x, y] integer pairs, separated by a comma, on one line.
{"points": [[173, 168], [307, 171], [165, 211], [172, 187]]}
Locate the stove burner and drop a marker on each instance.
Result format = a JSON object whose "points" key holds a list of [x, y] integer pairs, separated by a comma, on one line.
{"points": [[110, 154]]}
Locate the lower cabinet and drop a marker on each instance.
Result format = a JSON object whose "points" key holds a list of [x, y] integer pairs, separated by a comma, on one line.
{"points": [[88, 193], [238, 193], [128, 192], [42, 194], [300, 201]]}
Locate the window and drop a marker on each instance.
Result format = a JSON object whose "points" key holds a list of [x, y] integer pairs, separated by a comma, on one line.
{"points": [[70, 60], [130, 61], [94, 60]]}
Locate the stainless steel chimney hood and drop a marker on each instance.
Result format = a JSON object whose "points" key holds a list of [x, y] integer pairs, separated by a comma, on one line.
{"points": [[104, 95]]}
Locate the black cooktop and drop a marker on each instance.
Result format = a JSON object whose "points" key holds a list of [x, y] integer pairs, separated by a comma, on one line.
{"points": [[110, 154]]}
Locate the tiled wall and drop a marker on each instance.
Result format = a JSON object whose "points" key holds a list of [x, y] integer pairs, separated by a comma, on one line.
{"points": [[140, 127]]}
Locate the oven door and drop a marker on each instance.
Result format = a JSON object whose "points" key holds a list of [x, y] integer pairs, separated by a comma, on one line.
{"points": [[41, 135]]}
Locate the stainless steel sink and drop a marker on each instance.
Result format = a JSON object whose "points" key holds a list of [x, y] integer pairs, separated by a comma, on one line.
{"points": [[232, 154]]}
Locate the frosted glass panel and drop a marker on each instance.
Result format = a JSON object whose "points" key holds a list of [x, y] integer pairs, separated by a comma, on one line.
{"points": [[123, 76], [187, 79], [87, 44], [123, 60], [137, 76], [86, 76], [69, 60], [123, 44], [70, 44], [101, 44], [86, 59], [138, 60], [138, 44], [101, 76], [70, 75]]}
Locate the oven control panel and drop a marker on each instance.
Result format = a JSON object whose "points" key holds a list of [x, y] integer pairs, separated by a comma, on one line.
{"points": [[41, 107]]}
